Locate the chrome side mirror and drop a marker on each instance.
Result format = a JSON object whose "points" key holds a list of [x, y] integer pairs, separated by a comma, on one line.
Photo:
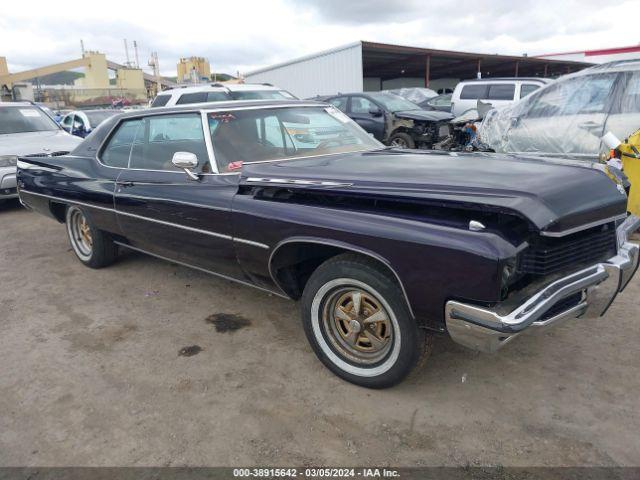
{"points": [[186, 161]]}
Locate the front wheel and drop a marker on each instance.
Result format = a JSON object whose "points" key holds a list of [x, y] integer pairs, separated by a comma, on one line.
{"points": [[402, 140], [92, 246], [358, 323]]}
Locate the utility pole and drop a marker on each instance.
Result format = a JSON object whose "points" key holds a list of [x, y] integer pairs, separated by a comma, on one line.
{"points": [[82, 47], [153, 63], [135, 50], [126, 51]]}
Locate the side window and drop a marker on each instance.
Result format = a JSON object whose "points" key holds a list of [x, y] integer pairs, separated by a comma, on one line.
{"points": [[196, 97], [629, 101], [473, 92], [217, 96], [591, 96], [166, 135], [501, 91], [66, 121], [78, 123], [527, 88], [160, 100], [550, 101], [361, 105], [116, 153], [340, 103], [270, 132]]}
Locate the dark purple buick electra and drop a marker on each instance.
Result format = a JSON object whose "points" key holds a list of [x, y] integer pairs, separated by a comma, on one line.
{"points": [[383, 248]]}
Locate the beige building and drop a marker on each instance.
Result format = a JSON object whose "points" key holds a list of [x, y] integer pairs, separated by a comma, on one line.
{"points": [[131, 78], [193, 70]]}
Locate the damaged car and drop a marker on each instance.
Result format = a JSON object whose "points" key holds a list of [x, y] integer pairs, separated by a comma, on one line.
{"points": [[384, 248], [394, 120], [569, 117]]}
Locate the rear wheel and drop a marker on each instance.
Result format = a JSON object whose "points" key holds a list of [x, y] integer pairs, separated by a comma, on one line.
{"points": [[402, 140], [357, 321], [92, 246]]}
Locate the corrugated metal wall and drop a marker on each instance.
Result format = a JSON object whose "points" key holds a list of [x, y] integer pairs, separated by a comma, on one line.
{"points": [[326, 73]]}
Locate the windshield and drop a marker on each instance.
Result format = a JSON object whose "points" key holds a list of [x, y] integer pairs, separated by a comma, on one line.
{"points": [[96, 118], [392, 102], [278, 133], [262, 95], [25, 119]]}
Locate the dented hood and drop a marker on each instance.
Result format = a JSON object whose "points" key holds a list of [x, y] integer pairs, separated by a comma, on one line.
{"points": [[425, 115], [553, 196]]}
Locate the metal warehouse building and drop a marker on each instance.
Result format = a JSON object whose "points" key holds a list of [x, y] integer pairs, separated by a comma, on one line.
{"points": [[368, 66]]}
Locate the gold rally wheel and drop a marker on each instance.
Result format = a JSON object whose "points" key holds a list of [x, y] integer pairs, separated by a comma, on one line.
{"points": [[92, 246], [357, 320]]}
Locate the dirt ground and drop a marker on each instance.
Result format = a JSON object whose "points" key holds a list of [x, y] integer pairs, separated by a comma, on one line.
{"points": [[150, 364]]}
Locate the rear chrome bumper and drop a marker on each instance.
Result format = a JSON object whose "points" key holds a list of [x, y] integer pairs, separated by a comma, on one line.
{"points": [[593, 288]]}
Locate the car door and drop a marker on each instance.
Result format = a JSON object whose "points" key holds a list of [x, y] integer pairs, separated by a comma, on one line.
{"points": [[162, 211], [361, 110], [624, 118], [566, 118]]}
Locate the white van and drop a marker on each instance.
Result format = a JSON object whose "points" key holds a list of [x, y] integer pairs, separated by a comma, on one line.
{"points": [[218, 92], [499, 92]]}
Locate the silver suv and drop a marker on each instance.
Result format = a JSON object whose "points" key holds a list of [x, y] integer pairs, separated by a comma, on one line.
{"points": [[218, 92]]}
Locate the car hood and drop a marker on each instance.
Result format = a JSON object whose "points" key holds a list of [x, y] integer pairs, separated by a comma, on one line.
{"points": [[428, 115], [30, 143], [551, 195]]}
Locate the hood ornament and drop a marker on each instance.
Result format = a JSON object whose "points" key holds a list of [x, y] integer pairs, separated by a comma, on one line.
{"points": [[476, 226]]}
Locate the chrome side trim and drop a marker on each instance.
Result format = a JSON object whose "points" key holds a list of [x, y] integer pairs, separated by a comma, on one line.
{"points": [[162, 222], [225, 277], [295, 181], [64, 200], [345, 246], [190, 204], [569, 231]]}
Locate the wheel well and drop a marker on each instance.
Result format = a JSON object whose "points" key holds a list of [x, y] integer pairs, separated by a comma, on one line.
{"points": [[58, 210], [293, 263]]}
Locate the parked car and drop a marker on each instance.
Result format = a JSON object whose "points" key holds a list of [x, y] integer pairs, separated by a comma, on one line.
{"points": [[393, 120], [383, 248], [441, 103], [569, 117], [500, 92], [26, 130], [218, 92], [82, 122]]}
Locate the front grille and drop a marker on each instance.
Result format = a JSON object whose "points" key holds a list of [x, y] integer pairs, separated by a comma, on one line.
{"points": [[550, 255]]}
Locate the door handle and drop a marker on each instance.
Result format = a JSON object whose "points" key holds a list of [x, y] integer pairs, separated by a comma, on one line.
{"points": [[590, 125], [124, 184]]}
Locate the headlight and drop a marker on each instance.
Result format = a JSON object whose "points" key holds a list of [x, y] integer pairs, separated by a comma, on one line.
{"points": [[8, 160]]}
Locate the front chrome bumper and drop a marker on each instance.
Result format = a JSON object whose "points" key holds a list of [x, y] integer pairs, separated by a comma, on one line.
{"points": [[593, 288]]}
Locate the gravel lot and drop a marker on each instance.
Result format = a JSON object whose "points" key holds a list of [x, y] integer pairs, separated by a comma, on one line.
{"points": [[91, 374]]}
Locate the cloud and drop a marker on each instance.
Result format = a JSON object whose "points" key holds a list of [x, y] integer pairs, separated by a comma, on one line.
{"points": [[251, 33]]}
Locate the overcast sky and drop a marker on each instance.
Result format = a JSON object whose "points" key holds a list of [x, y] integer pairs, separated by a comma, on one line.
{"points": [[247, 34]]}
